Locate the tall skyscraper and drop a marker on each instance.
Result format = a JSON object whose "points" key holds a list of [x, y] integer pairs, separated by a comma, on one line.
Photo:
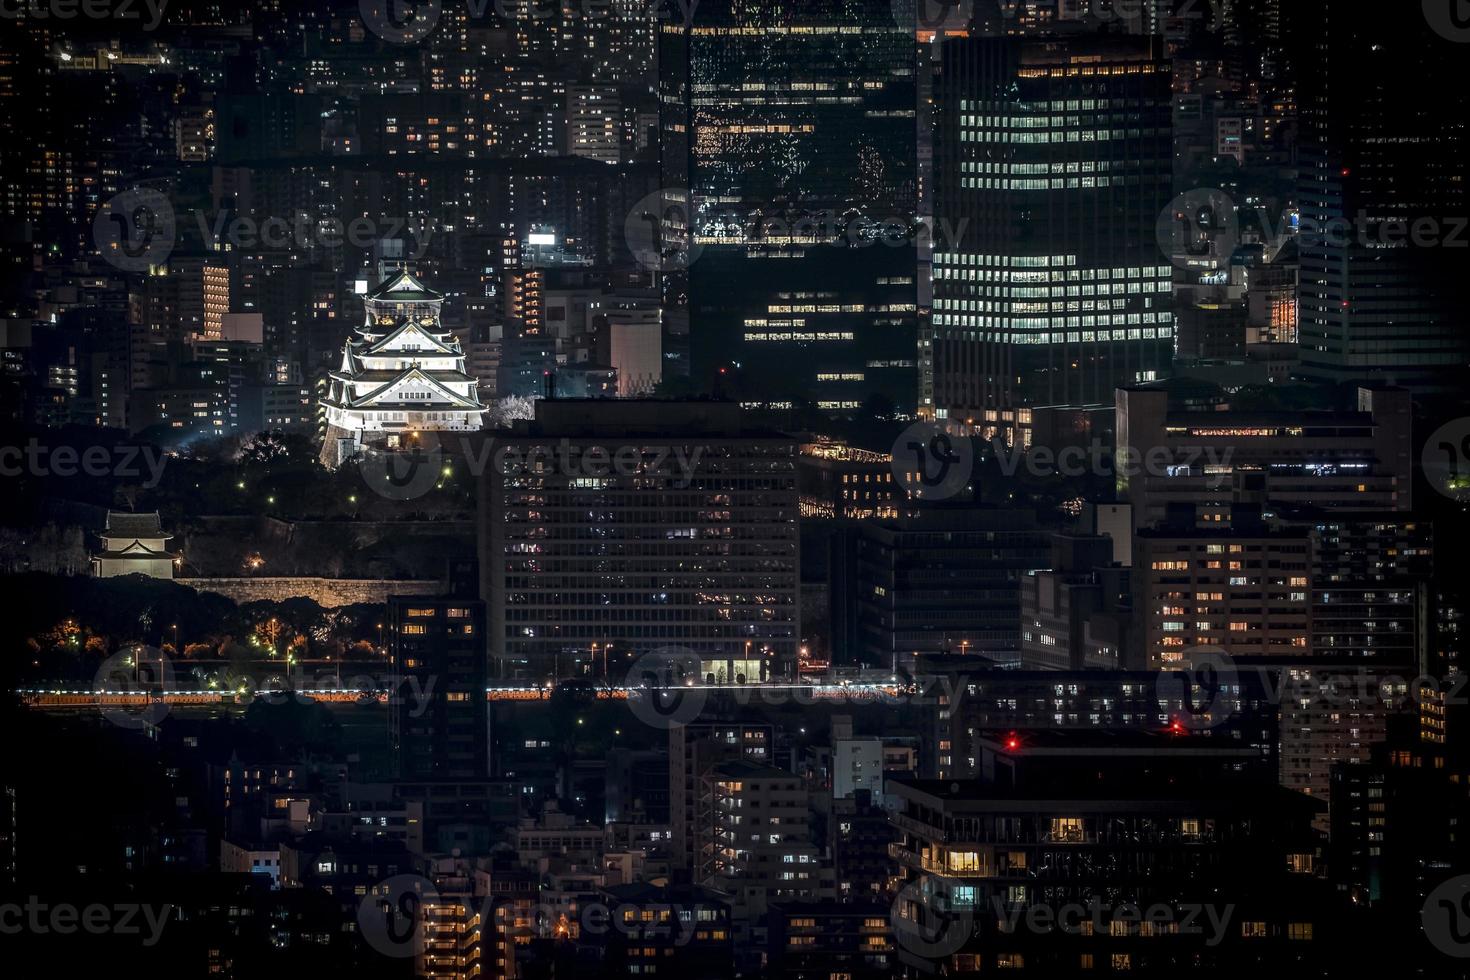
{"points": [[1383, 200], [789, 130], [1054, 155]]}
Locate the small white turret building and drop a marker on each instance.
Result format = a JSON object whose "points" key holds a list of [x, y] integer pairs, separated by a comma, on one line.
{"points": [[135, 544]]}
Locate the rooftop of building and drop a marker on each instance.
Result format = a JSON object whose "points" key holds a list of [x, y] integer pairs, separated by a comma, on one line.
{"points": [[745, 769], [645, 894], [1239, 794], [654, 418], [124, 525], [1072, 743], [963, 516], [404, 287]]}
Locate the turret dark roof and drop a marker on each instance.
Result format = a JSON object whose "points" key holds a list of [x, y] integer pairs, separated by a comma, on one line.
{"points": [[122, 525]]}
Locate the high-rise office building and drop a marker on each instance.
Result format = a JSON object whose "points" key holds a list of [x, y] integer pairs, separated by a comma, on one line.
{"points": [[1211, 459], [437, 712], [1244, 588], [943, 581], [1055, 156], [637, 526], [789, 129], [1383, 199]]}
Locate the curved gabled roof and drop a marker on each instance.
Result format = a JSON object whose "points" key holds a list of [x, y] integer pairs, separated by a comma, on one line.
{"points": [[404, 288], [124, 525], [418, 374], [135, 550], [408, 326]]}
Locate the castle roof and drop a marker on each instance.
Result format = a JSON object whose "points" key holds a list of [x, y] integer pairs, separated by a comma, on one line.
{"points": [[404, 288], [407, 375], [408, 326], [130, 527]]}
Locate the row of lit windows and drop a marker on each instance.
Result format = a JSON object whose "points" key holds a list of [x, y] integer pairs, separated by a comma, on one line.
{"points": [[990, 267], [1038, 184], [1011, 336], [1060, 136], [800, 336]]}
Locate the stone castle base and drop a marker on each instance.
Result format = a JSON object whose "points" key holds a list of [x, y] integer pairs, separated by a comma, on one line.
{"points": [[334, 451]]}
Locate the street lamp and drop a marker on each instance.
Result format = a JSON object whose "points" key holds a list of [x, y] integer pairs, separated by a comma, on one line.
{"points": [[177, 652]]}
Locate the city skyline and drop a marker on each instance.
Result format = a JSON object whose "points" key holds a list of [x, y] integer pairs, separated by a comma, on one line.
{"points": [[734, 488]]}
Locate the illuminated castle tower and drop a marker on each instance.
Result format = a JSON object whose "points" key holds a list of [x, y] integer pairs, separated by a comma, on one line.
{"points": [[402, 373]]}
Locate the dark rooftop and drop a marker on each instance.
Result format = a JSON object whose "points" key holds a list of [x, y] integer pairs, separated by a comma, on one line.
{"points": [[121, 525]]}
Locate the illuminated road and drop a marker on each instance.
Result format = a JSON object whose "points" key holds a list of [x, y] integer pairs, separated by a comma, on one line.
{"points": [[61, 697]]}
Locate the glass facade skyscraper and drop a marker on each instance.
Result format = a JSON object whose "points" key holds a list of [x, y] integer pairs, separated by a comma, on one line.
{"points": [[1383, 201], [789, 149], [1055, 157]]}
